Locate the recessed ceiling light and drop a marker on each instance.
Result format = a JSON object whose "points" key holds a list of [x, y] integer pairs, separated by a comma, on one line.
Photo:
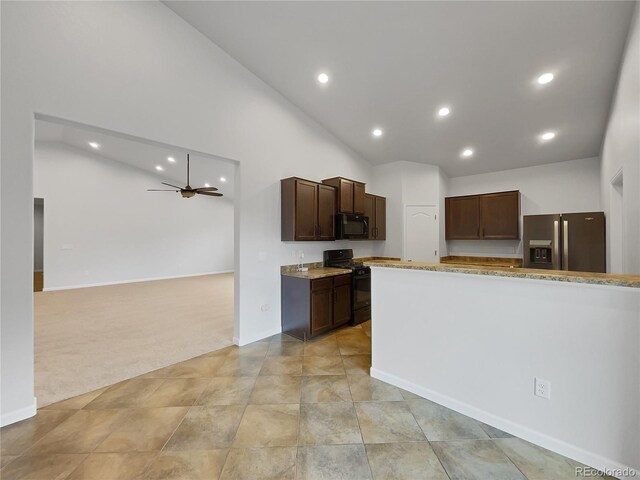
{"points": [[94, 145], [207, 185], [548, 135], [377, 132], [444, 111], [160, 168], [545, 78], [323, 78], [171, 159], [467, 152], [222, 179]]}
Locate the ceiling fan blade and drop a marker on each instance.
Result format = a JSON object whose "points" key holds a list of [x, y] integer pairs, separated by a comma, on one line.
{"points": [[206, 189], [209, 194], [174, 186], [155, 190]]}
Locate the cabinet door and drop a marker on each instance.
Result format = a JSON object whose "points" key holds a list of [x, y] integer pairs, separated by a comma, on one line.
{"points": [[306, 204], [462, 218], [345, 191], [500, 216], [326, 212], [358, 198], [370, 211], [321, 311], [381, 218], [342, 304]]}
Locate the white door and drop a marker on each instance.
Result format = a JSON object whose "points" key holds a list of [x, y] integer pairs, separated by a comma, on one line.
{"points": [[421, 233]]}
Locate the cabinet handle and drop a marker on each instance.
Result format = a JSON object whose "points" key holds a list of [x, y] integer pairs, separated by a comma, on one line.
{"points": [[319, 230]]}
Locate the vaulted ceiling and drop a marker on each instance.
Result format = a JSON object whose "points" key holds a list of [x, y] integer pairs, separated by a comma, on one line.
{"points": [[393, 65], [142, 155]]}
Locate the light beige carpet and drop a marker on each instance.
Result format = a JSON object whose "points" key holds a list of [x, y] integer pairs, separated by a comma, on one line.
{"points": [[88, 338]]}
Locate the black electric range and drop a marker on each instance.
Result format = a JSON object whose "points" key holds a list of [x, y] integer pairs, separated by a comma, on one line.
{"points": [[360, 282]]}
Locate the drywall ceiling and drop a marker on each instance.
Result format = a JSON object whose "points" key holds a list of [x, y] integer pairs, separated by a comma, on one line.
{"points": [[394, 64], [145, 156]]}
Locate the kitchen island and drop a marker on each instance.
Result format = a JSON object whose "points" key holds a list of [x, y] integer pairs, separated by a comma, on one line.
{"points": [[474, 339]]}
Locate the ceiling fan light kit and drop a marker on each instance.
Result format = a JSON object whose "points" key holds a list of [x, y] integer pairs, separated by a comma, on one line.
{"points": [[188, 191]]}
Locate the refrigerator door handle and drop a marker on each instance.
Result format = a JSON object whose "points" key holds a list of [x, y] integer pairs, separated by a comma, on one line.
{"points": [[555, 261], [565, 245]]}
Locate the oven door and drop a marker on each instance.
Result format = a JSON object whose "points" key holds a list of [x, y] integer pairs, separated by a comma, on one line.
{"points": [[361, 288]]}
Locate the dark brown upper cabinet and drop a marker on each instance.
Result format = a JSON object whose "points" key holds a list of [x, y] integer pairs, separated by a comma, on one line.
{"points": [[500, 216], [491, 216], [375, 207], [326, 212], [307, 210], [462, 217], [350, 194]]}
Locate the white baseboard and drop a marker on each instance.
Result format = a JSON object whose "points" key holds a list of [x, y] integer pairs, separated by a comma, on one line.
{"points": [[254, 338], [20, 414], [558, 446], [138, 280]]}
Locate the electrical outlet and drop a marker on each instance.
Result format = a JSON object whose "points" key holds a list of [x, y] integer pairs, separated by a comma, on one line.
{"points": [[542, 388]]}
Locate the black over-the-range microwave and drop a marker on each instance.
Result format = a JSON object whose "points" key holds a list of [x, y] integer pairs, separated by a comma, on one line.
{"points": [[351, 226]]}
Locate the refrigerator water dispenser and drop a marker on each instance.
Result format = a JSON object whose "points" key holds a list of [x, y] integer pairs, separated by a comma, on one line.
{"points": [[540, 252]]}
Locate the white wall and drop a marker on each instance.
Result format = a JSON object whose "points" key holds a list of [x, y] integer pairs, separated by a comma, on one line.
{"points": [[621, 150], [405, 183], [387, 181], [139, 69], [474, 343], [562, 187], [103, 227]]}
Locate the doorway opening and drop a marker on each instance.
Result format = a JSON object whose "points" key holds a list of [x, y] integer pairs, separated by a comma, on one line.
{"points": [[38, 244], [136, 280], [616, 234], [421, 233]]}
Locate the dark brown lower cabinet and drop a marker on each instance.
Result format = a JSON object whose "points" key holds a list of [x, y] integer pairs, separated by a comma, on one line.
{"points": [[313, 307], [342, 301]]}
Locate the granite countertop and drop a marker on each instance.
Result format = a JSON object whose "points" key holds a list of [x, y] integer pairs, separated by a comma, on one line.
{"points": [[632, 281], [314, 273], [483, 261], [377, 259], [318, 270]]}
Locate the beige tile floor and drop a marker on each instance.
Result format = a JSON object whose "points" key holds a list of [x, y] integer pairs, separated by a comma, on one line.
{"points": [[277, 409]]}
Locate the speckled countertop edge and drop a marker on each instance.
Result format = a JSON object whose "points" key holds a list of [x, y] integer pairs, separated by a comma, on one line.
{"points": [[632, 281], [315, 273], [318, 270]]}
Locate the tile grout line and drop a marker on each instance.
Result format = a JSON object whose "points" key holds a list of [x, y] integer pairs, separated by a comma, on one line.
{"points": [[444, 469], [148, 466], [508, 457]]}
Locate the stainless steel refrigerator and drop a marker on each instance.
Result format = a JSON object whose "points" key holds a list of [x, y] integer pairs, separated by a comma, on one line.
{"points": [[565, 241]]}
